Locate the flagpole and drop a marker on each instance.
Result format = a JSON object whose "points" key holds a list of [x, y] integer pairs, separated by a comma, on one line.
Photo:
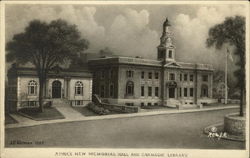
{"points": [[226, 78]]}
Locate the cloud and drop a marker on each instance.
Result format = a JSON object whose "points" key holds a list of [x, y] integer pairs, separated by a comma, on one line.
{"points": [[191, 33], [130, 35]]}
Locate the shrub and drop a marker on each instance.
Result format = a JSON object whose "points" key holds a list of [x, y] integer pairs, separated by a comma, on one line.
{"points": [[47, 104], [97, 109]]}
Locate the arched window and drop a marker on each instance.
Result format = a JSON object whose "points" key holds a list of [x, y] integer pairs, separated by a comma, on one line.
{"points": [[204, 91], [32, 87], [130, 88], [79, 88]]}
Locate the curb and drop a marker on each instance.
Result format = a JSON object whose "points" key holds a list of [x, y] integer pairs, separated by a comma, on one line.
{"points": [[206, 131], [130, 115]]}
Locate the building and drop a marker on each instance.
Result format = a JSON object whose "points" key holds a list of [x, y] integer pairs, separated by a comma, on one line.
{"points": [[73, 87], [144, 82]]}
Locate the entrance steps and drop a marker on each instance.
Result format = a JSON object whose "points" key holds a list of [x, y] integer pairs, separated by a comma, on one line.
{"points": [[174, 103], [60, 102]]}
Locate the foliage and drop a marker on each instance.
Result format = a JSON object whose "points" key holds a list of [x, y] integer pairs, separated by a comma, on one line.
{"points": [[232, 32], [97, 109], [45, 45]]}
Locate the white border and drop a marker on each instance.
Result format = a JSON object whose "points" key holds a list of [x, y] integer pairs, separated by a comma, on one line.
{"points": [[50, 152]]}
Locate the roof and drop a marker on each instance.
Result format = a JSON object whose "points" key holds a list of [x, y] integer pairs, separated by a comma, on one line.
{"points": [[22, 71], [149, 62]]}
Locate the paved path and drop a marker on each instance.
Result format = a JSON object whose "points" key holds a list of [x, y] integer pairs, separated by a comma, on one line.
{"points": [[176, 130], [69, 113], [84, 118]]}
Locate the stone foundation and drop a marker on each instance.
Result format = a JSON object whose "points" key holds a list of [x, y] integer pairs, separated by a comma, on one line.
{"points": [[234, 124]]}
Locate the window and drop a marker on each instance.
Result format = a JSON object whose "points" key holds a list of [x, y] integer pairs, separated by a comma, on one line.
{"points": [[155, 104], [130, 73], [142, 104], [191, 77], [142, 74], [156, 91], [170, 54], [32, 87], [32, 103], [142, 91], [78, 88], [156, 75], [129, 104], [150, 75], [111, 74], [149, 104], [185, 92], [204, 91], [130, 88], [79, 102], [172, 76], [150, 91], [111, 90], [204, 78], [102, 91], [191, 92], [102, 74], [180, 77], [180, 90], [185, 77]]}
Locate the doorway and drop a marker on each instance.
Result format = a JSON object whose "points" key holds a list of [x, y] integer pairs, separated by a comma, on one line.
{"points": [[171, 92], [56, 89]]}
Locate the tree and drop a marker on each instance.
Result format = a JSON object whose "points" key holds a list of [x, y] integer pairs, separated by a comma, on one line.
{"points": [[232, 32], [45, 45], [106, 52]]}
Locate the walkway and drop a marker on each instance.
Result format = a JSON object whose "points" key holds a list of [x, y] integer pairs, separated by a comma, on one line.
{"points": [[77, 117]]}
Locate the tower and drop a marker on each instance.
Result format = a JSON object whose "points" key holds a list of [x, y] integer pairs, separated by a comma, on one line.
{"points": [[166, 49]]}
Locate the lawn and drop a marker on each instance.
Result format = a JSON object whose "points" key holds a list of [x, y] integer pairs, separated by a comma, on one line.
{"points": [[9, 119], [86, 112], [50, 113], [155, 107]]}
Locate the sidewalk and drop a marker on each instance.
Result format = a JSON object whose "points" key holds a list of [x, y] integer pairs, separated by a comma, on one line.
{"points": [[28, 123]]}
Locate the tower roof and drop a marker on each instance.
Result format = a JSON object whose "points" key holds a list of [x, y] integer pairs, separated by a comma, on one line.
{"points": [[166, 22]]}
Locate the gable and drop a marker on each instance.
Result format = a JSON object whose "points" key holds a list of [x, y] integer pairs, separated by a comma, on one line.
{"points": [[172, 64]]}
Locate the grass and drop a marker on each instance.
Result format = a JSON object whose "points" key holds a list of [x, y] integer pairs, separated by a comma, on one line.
{"points": [[9, 119], [48, 114], [86, 112], [154, 107]]}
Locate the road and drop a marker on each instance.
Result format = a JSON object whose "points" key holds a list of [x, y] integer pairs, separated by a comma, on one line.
{"points": [[184, 130]]}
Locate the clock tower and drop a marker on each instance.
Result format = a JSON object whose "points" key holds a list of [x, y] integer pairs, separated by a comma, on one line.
{"points": [[166, 49]]}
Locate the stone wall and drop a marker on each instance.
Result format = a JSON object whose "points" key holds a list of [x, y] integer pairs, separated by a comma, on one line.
{"points": [[234, 124]]}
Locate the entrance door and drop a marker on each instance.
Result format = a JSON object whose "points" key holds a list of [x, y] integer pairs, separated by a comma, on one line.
{"points": [[56, 89], [171, 92]]}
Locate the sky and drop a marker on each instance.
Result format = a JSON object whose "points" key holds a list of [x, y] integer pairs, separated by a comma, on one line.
{"points": [[134, 30]]}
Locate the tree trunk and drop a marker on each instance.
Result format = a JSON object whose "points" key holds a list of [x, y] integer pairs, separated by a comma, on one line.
{"points": [[242, 89], [41, 86], [241, 101]]}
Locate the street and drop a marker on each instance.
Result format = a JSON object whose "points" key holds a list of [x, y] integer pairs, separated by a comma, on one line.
{"points": [[184, 130]]}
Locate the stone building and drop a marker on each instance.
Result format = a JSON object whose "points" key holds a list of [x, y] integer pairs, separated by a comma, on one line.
{"points": [[145, 82], [73, 87]]}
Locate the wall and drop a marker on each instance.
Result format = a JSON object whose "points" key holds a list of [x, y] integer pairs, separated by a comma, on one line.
{"points": [[87, 91]]}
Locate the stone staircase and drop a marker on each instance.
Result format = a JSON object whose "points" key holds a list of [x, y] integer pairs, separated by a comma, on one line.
{"points": [[60, 102], [174, 103]]}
